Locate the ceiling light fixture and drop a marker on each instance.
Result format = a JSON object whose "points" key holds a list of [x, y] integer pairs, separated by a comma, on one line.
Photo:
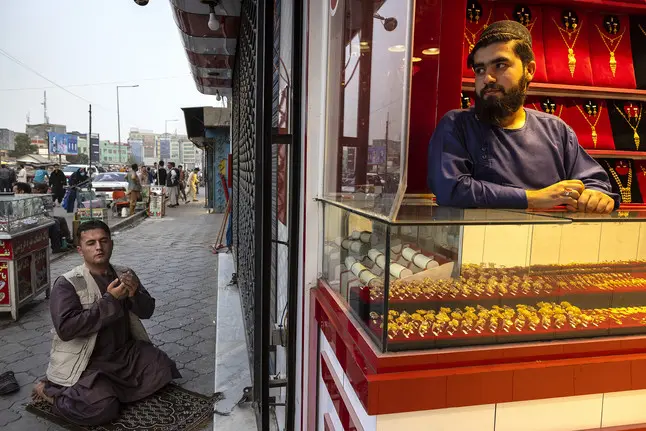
{"points": [[214, 22], [431, 51], [397, 48]]}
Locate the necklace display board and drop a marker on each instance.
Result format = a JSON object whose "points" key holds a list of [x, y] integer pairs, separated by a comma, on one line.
{"points": [[548, 104], [531, 16], [640, 176], [627, 126], [567, 46], [638, 43], [590, 121], [623, 179], [610, 50], [479, 16]]}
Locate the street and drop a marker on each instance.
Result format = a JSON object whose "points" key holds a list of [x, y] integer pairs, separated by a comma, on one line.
{"points": [[172, 258]]}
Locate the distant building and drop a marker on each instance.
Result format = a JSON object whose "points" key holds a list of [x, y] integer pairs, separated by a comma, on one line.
{"points": [[109, 153], [148, 140], [7, 140]]}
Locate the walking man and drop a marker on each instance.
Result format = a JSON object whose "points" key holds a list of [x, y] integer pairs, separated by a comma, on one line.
{"points": [[192, 182], [134, 188], [57, 183], [161, 174], [22, 175], [172, 183], [101, 355], [182, 183], [6, 176]]}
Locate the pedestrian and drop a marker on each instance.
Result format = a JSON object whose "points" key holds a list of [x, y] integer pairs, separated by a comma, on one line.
{"points": [[78, 180], [6, 175], [199, 181], [134, 188], [182, 183], [151, 175], [143, 176], [101, 355], [22, 174], [192, 183], [41, 176], [161, 174], [57, 183], [172, 183]]}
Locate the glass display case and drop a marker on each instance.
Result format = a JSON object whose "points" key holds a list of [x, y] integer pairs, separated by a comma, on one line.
{"points": [[20, 213], [443, 277]]}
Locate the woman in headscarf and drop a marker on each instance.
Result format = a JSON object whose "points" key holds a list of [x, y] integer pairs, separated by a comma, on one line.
{"points": [[78, 180]]}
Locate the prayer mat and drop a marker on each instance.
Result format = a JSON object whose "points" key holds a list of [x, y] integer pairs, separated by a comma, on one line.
{"points": [[170, 409]]}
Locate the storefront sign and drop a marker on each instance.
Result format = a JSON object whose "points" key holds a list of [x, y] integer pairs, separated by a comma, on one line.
{"points": [[5, 249], [4, 283], [27, 243]]}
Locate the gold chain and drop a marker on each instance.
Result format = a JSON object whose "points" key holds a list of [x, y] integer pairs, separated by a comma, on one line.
{"points": [[642, 29], [592, 126], [558, 115], [626, 195], [472, 41], [570, 49], [636, 137], [608, 41]]}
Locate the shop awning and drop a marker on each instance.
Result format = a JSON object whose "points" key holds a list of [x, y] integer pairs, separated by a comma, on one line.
{"points": [[211, 53], [200, 120]]}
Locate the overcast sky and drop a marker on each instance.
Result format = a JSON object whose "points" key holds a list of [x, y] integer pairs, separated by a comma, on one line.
{"points": [[89, 47]]}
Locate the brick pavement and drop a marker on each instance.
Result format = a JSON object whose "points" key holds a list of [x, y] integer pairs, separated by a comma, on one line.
{"points": [[183, 324]]}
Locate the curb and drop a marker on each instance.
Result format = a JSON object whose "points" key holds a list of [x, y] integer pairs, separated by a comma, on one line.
{"points": [[119, 225]]}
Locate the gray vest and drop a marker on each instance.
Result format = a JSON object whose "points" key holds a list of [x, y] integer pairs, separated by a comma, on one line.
{"points": [[68, 359]]}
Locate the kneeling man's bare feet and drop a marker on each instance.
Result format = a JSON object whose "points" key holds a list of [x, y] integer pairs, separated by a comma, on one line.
{"points": [[39, 393]]}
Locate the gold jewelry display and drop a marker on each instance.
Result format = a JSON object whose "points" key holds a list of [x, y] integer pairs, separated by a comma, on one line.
{"points": [[609, 42], [546, 316], [570, 48], [474, 36], [592, 126], [626, 195], [636, 137], [524, 20], [553, 112]]}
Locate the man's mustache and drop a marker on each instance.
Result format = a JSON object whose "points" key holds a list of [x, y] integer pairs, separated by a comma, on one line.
{"points": [[497, 87]]}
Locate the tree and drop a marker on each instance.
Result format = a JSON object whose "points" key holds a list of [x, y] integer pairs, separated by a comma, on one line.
{"points": [[81, 159], [23, 146]]}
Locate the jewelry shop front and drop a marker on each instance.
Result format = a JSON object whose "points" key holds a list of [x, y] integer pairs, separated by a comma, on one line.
{"points": [[426, 317]]}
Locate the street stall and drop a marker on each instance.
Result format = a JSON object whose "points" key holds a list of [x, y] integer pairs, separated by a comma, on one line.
{"points": [[24, 255]]}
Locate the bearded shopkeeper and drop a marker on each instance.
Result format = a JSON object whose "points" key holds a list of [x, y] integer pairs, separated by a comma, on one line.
{"points": [[500, 155]]}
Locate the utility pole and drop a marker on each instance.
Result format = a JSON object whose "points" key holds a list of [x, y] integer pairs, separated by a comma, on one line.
{"points": [[119, 117], [89, 136]]}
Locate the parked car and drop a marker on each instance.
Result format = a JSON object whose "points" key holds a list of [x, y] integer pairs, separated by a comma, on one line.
{"points": [[70, 169], [106, 183]]}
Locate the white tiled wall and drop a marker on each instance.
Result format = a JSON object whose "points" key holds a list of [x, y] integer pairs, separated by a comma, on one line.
{"points": [[624, 408], [555, 414], [477, 418]]}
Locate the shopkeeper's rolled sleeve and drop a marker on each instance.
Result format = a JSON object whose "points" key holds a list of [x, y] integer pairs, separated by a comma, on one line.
{"points": [[450, 175]]}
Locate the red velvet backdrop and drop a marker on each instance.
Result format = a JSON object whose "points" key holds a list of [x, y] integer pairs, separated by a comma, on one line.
{"points": [[506, 11], [556, 50], [600, 55]]}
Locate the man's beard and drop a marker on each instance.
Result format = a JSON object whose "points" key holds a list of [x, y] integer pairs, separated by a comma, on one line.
{"points": [[494, 109]]}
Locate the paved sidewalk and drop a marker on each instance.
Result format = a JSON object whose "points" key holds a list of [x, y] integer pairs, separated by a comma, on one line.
{"points": [[172, 258]]}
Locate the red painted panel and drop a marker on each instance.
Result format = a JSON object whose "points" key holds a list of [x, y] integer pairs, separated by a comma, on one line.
{"points": [[210, 61], [347, 415], [539, 383], [4, 284], [600, 378]]}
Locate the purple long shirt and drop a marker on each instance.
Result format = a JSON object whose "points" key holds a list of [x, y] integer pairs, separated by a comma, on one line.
{"points": [[472, 164]]}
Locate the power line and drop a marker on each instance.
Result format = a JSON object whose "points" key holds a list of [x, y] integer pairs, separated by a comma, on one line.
{"points": [[96, 84], [15, 60]]}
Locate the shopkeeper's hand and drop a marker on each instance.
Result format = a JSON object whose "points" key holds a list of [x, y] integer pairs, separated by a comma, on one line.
{"points": [[562, 193], [594, 201]]}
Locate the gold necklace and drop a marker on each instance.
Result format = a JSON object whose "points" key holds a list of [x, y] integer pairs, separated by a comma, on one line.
{"points": [[558, 115], [608, 41], [571, 59], [636, 137], [592, 126], [529, 25], [643, 170], [626, 195], [642, 29], [472, 41]]}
